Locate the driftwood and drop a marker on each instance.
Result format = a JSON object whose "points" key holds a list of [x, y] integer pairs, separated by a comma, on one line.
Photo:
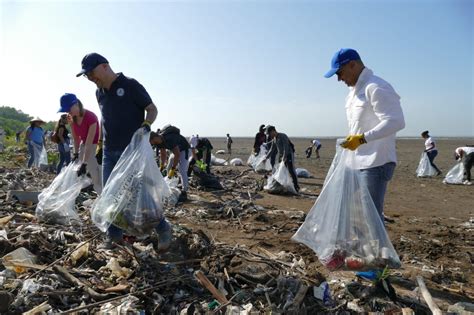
{"points": [[209, 286], [73, 280], [427, 296]]}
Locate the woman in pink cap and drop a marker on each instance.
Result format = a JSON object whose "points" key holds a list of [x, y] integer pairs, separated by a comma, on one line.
{"points": [[85, 132]]}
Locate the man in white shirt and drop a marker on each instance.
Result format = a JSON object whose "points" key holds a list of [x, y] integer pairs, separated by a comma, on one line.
{"points": [[374, 115], [314, 144], [467, 156]]}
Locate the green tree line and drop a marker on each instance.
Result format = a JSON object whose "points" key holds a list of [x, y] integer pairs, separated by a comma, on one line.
{"points": [[13, 120]]}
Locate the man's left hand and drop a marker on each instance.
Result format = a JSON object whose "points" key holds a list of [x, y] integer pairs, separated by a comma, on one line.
{"points": [[146, 126], [353, 142], [171, 173]]}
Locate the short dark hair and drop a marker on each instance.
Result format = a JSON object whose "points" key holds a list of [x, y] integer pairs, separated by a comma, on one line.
{"points": [[425, 133]]}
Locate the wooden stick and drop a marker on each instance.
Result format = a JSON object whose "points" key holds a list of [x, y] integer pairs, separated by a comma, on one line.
{"points": [[210, 287], [427, 296], [73, 280], [43, 307]]}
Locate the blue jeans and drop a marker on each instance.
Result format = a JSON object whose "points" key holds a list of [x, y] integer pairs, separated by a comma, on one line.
{"points": [[376, 180], [31, 151], [431, 156], [64, 157], [109, 160]]}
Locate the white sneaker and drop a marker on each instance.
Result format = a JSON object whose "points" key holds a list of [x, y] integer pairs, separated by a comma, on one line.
{"points": [[466, 182]]}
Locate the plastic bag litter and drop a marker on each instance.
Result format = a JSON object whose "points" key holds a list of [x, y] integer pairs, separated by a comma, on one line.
{"points": [[217, 161], [40, 154], [135, 192], [260, 165], [302, 172], [344, 227], [18, 260], [455, 175], [236, 162], [220, 152], [172, 199], [280, 182], [56, 202], [251, 160], [127, 305], [424, 167]]}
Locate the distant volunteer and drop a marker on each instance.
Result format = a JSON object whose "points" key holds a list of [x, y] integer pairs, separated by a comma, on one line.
{"points": [[229, 142], [316, 145], [170, 139], [430, 149], [201, 151], [282, 145], [35, 140], [466, 155], [260, 139], [85, 132], [62, 136], [374, 115]]}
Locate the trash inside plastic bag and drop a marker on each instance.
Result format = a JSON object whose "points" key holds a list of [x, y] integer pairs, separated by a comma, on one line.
{"points": [[302, 172], [217, 161], [18, 260], [280, 182], [251, 160], [40, 155], [260, 164], [201, 178], [344, 227], [133, 197], [425, 169], [455, 175], [172, 199], [56, 202], [236, 162]]}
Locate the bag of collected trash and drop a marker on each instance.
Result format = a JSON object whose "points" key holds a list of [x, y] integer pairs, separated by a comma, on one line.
{"points": [[56, 202], [251, 160], [236, 162], [40, 155], [260, 165], [217, 161], [302, 172], [172, 199], [455, 175], [201, 178], [425, 169], [134, 194], [344, 227], [280, 182], [220, 152]]}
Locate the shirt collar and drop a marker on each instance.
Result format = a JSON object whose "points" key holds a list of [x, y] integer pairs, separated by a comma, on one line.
{"points": [[363, 78]]}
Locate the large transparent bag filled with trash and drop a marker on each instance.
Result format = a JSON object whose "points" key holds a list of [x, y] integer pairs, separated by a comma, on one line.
{"points": [[344, 227], [40, 154], [455, 175], [260, 164], [280, 182], [135, 192], [56, 202], [425, 169], [172, 199]]}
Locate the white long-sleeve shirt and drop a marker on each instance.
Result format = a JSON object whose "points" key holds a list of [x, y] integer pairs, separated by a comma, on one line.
{"points": [[373, 108]]}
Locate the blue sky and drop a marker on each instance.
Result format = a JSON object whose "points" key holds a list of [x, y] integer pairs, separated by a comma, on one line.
{"points": [[214, 67]]}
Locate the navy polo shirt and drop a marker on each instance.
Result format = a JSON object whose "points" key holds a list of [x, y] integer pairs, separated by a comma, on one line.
{"points": [[123, 111], [172, 140]]}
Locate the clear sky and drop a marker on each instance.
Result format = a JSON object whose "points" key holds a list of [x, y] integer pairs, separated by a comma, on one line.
{"points": [[217, 67]]}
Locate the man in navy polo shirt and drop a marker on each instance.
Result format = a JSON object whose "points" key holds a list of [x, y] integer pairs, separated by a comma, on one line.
{"points": [[125, 106]]}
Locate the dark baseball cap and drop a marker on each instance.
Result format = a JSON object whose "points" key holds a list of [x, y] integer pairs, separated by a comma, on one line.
{"points": [[90, 61], [340, 58]]}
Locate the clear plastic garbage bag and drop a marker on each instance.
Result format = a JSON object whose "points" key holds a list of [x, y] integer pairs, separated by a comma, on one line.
{"points": [[280, 182], [56, 202], [251, 160], [344, 227], [217, 161], [424, 167], [260, 165], [455, 175], [40, 154], [135, 192], [236, 162], [172, 199], [302, 172]]}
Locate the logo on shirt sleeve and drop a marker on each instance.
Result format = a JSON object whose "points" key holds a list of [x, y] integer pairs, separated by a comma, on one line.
{"points": [[120, 92]]}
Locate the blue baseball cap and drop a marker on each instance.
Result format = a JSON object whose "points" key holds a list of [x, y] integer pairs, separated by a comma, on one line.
{"points": [[90, 61], [341, 57], [67, 101]]}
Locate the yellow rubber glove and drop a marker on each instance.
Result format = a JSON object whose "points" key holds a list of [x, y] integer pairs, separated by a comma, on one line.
{"points": [[171, 173], [353, 142], [98, 149]]}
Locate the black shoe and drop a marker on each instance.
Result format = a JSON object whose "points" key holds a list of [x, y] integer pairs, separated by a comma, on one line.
{"points": [[183, 196]]}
